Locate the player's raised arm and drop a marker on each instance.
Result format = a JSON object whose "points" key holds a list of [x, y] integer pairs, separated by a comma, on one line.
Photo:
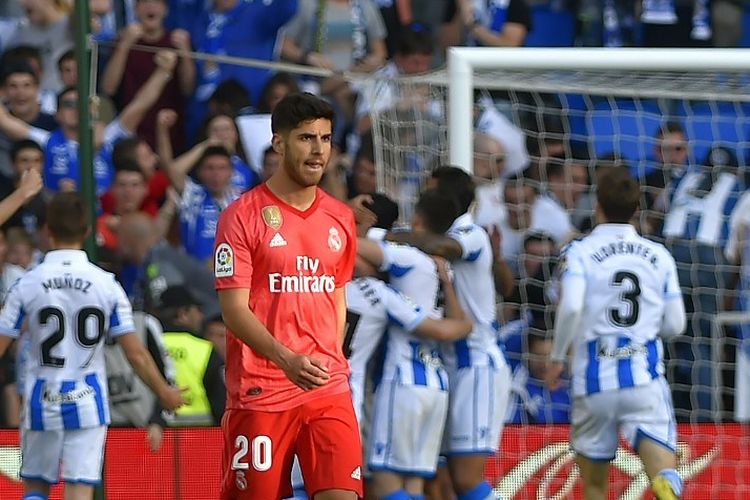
{"points": [[433, 244]]}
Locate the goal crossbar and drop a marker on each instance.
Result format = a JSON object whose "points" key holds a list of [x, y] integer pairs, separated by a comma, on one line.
{"points": [[463, 61]]}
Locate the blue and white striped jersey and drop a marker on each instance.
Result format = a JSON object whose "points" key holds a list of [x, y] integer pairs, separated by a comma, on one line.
{"points": [[474, 281], [628, 281], [68, 304], [371, 307], [412, 359]]}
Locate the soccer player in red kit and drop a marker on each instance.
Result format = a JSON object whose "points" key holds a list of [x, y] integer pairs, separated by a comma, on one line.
{"points": [[284, 252]]}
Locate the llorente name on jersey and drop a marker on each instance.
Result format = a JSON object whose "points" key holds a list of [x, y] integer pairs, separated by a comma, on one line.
{"points": [[67, 281], [302, 282], [625, 248]]}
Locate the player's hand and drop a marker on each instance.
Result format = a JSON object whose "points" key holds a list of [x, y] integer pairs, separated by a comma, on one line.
{"points": [[172, 398], [306, 372], [31, 183], [154, 436], [443, 269], [554, 372]]}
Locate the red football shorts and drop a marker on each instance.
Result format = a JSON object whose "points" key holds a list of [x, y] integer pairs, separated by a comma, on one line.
{"points": [[259, 449]]}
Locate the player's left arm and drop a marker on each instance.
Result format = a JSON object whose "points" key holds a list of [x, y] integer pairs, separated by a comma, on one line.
{"points": [[432, 244], [674, 319], [339, 298]]}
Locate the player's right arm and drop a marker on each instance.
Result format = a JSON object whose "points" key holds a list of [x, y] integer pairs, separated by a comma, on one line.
{"points": [[674, 319], [304, 371]]}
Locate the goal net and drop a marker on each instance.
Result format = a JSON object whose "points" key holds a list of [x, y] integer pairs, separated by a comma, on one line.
{"points": [[549, 120]]}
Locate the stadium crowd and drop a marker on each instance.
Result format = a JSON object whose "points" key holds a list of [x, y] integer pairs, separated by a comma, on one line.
{"points": [[170, 157]]}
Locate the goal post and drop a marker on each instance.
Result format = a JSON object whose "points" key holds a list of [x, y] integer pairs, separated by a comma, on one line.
{"points": [[464, 61]]}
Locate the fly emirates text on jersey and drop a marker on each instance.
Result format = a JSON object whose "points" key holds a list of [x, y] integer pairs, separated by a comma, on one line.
{"points": [[305, 281]]}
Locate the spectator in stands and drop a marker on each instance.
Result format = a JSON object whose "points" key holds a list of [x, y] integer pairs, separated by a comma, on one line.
{"points": [[201, 202], [230, 98], [275, 90], [131, 402], [27, 207], [737, 253], [528, 349], [489, 165], [198, 366], [676, 23], [26, 55], [9, 273], [567, 182], [271, 162], [727, 19], [129, 190], [21, 248], [67, 66], [135, 151], [128, 69], [671, 153], [695, 229], [46, 26], [526, 210], [61, 170], [241, 29], [494, 24], [222, 129], [216, 332], [21, 89], [414, 55], [158, 265]]}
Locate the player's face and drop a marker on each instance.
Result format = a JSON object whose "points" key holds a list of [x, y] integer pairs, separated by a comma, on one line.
{"points": [[305, 151]]}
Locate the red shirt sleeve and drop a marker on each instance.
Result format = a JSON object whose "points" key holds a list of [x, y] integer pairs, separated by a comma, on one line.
{"points": [[345, 269], [233, 265]]}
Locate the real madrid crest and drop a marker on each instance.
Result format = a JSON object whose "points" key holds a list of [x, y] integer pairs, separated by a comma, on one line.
{"points": [[334, 240], [272, 217]]}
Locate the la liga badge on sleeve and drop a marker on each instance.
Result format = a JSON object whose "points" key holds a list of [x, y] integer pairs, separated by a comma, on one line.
{"points": [[224, 261]]}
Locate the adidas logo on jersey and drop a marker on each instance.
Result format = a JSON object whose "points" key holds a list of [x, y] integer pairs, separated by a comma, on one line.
{"points": [[357, 474], [277, 241]]}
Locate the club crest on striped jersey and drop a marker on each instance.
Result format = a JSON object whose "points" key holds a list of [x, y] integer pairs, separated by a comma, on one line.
{"points": [[334, 240], [272, 217]]}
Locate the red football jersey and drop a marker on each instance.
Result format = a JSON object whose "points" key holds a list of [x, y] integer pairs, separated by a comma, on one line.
{"points": [[292, 261]]}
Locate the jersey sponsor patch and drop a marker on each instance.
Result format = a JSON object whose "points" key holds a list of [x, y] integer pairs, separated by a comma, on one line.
{"points": [[224, 261], [272, 217]]}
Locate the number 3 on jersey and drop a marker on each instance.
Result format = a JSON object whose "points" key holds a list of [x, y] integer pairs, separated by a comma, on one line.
{"points": [[630, 287], [260, 450]]}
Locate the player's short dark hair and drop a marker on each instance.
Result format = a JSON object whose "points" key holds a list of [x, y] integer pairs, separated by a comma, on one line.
{"points": [[124, 151], [415, 39], [67, 218], [216, 150], [617, 194], [61, 95], [457, 182], [438, 208], [23, 144], [296, 108]]}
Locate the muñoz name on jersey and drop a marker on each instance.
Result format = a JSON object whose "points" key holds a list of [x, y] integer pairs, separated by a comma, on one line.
{"points": [[68, 305], [628, 280]]}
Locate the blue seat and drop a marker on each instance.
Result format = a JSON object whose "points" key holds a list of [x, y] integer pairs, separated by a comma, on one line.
{"points": [[717, 122], [551, 27], [626, 128]]}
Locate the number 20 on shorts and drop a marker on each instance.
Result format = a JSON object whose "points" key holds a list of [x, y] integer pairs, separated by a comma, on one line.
{"points": [[260, 453]]}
